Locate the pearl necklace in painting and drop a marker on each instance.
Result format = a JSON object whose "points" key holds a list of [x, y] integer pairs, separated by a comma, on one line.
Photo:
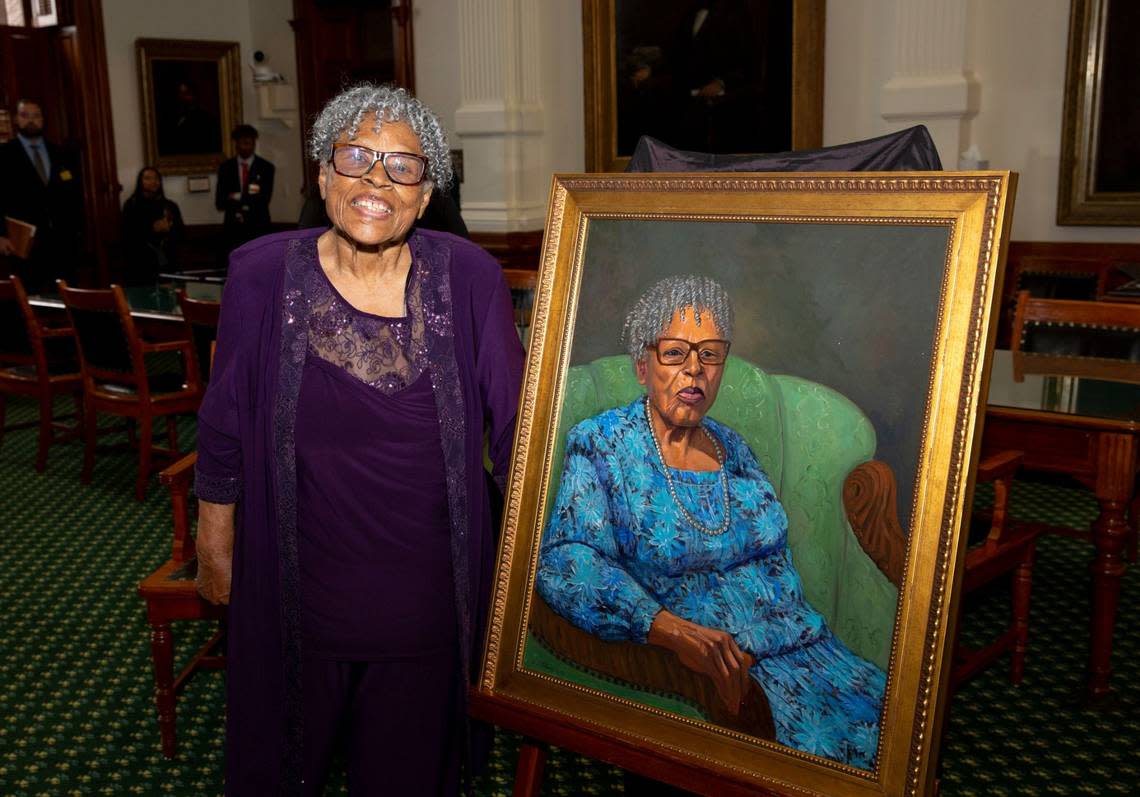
{"points": [[692, 521]]}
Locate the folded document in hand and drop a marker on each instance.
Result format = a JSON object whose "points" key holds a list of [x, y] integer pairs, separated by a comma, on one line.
{"points": [[20, 235]]}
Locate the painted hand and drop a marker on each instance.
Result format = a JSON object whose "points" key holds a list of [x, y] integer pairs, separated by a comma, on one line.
{"points": [[708, 651]]}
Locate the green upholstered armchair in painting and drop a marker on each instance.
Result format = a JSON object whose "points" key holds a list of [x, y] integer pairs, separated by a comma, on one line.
{"points": [[843, 533]]}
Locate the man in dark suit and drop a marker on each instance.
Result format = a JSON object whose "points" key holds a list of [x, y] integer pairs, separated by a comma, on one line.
{"points": [[245, 186], [40, 185]]}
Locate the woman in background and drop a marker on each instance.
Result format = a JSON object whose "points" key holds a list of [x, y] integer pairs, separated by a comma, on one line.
{"points": [[152, 229]]}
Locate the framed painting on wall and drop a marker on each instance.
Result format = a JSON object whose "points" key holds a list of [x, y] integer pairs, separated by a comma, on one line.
{"points": [[744, 76], [190, 95], [834, 359], [1100, 138]]}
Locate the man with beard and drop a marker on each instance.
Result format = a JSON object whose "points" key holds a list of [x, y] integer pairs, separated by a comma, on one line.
{"points": [[41, 187]]}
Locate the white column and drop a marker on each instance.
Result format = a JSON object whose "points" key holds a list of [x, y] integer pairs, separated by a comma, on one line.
{"points": [[929, 84], [500, 120]]}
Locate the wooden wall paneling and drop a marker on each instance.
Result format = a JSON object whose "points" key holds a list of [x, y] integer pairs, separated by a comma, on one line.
{"points": [[88, 87], [341, 42], [64, 68], [513, 250], [1104, 260]]}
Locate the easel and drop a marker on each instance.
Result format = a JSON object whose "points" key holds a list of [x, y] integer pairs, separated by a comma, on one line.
{"points": [[541, 728]]}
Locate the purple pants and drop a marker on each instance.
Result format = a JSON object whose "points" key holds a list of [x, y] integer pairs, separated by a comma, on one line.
{"points": [[396, 720]]}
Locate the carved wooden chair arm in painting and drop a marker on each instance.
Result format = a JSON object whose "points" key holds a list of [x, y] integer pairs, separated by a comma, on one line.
{"points": [[869, 498], [649, 668]]}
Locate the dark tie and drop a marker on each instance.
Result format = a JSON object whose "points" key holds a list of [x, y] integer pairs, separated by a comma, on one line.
{"points": [[38, 160], [244, 175]]}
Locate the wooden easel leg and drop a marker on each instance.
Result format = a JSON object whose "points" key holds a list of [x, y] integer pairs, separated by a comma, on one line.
{"points": [[528, 775]]}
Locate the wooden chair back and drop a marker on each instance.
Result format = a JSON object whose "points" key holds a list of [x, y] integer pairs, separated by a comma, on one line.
{"points": [[16, 346], [1095, 340], [201, 318], [110, 349]]}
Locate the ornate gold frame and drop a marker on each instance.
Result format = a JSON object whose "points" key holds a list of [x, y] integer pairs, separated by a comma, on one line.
{"points": [[976, 209], [598, 49], [1078, 200], [227, 57]]}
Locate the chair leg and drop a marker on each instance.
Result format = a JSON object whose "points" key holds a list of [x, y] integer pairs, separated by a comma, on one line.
{"points": [[162, 652], [45, 434], [172, 433], [77, 397], [89, 433], [1022, 586], [146, 443]]}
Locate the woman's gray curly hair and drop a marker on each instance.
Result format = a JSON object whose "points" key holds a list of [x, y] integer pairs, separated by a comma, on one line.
{"points": [[651, 314], [344, 113]]}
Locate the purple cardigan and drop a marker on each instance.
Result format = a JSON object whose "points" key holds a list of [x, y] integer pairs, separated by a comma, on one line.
{"points": [[246, 455]]}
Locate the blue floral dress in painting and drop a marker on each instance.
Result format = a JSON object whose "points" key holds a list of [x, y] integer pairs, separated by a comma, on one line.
{"points": [[618, 550]]}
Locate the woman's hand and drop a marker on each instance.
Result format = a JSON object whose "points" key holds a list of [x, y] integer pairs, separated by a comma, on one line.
{"points": [[215, 551], [705, 650]]}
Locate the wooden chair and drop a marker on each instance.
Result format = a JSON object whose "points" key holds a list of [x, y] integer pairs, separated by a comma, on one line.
{"points": [[123, 375], [201, 318], [170, 594], [40, 362], [998, 545], [1093, 340], [1089, 340]]}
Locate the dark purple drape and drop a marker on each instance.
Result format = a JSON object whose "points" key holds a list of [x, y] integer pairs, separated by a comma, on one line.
{"points": [[907, 150]]}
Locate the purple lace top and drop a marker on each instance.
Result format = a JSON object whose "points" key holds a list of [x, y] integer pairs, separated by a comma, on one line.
{"points": [[372, 516]]}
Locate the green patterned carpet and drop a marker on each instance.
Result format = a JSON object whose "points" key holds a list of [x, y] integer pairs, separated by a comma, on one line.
{"points": [[77, 714]]}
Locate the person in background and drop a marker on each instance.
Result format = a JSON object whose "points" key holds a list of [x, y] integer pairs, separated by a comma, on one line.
{"points": [[344, 510], [244, 190], [40, 186], [152, 229]]}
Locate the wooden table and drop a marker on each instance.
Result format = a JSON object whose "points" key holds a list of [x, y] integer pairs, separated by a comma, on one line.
{"points": [[155, 311], [1088, 430]]}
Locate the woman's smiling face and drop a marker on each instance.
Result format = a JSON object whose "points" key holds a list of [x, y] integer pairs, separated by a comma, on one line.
{"points": [[372, 210], [682, 394]]}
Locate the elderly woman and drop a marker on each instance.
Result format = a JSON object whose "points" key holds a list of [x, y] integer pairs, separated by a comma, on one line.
{"points": [[666, 530], [340, 469]]}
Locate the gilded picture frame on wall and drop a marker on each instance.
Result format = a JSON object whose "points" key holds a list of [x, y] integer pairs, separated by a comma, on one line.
{"points": [[190, 97], [1100, 138], [739, 76], [855, 373]]}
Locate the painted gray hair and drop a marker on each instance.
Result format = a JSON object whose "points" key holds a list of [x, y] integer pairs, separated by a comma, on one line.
{"points": [[651, 314], [344, 113]]}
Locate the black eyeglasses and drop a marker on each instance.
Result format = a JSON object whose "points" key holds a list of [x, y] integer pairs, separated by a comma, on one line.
{"points": [[674, 351], [404, 168]]}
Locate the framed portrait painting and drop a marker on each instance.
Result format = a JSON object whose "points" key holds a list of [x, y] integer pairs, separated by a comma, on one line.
{"points": [[724, 76], [1100, 138], [731, 537], [190, 94]]}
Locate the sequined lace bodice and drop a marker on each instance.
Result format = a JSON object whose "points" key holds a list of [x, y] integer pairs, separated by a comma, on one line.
{"points": [[386, 353]]}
